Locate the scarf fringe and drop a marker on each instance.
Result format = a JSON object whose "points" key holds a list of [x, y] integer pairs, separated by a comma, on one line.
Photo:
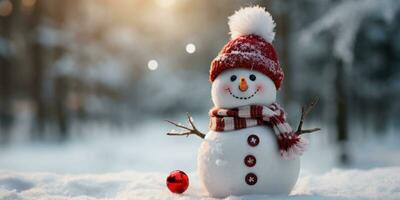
{"points": [[290, 150]]}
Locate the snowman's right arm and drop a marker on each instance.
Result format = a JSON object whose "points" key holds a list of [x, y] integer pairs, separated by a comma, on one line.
{"points": [[188, 131]]}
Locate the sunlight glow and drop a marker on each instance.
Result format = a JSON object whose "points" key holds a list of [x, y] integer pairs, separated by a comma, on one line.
{"points": [[166, 3]]}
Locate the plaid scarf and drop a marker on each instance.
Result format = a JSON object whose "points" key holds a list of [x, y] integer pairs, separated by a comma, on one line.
{"points": [[289, 143]]}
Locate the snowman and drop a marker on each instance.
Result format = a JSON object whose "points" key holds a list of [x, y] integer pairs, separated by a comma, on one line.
{"points": [[250, 148]]}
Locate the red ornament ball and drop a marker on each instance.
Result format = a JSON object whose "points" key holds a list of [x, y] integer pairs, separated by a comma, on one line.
{"points": [[177, 181]]}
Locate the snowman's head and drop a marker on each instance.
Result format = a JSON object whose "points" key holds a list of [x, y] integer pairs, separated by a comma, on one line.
{"points": [[240, 87], [246, 70]]}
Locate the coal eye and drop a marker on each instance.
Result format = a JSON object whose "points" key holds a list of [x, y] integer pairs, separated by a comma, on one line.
{"points": [[233, 78], [252, 77]]}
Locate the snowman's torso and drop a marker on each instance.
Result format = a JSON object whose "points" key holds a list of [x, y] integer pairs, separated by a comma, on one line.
{"points": [[245, 161]]}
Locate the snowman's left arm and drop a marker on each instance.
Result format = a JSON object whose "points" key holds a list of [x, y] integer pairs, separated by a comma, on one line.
{"points": [[189, 131], [304, 112]]}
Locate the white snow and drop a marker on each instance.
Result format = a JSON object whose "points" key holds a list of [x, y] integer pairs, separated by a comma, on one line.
{"points": [[380, 183], [105, 162]]}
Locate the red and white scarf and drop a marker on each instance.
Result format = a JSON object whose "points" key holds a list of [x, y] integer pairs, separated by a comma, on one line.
{"points": [[290, 144]]}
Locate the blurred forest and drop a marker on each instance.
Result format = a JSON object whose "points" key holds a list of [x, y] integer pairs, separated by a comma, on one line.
{"points": [[65, 63]]}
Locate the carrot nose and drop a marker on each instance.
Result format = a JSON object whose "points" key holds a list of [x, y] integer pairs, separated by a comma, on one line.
{"points": [[243, 84]]}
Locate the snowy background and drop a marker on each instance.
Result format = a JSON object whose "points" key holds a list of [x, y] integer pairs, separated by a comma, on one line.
{"points": [[85, 87]]}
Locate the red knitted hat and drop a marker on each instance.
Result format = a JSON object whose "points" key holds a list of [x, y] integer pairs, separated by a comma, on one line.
{"points": [[250, 45]]}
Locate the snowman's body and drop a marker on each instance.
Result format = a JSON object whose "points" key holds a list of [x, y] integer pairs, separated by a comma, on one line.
{"points": [[246, 159], [222, 164]]}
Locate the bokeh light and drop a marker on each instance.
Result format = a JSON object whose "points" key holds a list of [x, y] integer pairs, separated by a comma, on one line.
{"points": [[6, 8], [152, 65], [28, 3], [190, 48]]}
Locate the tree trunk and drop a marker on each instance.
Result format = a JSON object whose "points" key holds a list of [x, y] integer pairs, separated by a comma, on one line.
{"points": [[283, 29], [6, 76], [60, 110], [280, 13], [61, 82], [341, 112], [37, 73], [6, 115]]}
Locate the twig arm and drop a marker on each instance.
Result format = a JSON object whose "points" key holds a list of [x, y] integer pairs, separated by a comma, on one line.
{"points": [[307, 131], [190, 131], [305, 110]]}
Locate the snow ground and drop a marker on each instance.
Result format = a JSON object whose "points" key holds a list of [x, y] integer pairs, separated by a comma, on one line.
{"points": [[105, 162], [381, 183]]}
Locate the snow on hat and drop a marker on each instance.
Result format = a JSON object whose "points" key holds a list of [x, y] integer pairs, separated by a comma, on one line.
{"points": [[252, 32]]}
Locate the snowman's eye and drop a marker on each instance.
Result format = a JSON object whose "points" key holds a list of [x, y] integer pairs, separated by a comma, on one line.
{"points": [[233, 78], [252, 77]]}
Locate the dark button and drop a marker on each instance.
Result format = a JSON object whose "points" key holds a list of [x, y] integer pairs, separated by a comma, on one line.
{"points": [[251, 179], [250, 160], [253, 140]]}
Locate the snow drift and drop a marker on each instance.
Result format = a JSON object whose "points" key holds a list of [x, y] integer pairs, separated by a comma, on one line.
{"points": [[379, 183]]}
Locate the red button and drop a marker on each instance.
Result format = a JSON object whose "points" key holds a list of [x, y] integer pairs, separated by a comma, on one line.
{"points": [[253, 140], [251, 179], [250, 160]]}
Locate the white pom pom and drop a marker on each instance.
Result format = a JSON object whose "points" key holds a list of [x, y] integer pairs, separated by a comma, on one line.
{"points": [[252, 20]]}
